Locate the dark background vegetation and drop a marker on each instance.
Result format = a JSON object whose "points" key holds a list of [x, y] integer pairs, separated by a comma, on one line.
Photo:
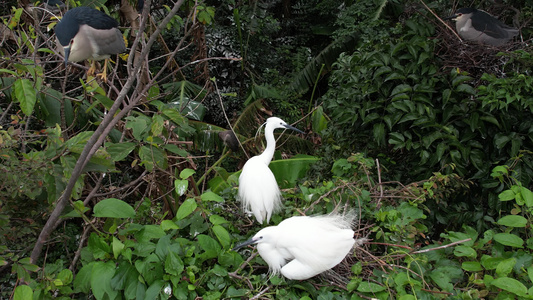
{"points": [[427, 137]]}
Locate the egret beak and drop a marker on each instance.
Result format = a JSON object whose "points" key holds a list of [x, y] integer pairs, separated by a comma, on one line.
{"points": [[293, 128], [244, 244], [67, 53]]}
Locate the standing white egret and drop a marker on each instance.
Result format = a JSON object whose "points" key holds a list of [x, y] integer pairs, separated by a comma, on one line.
{"points": [[258, 190], [301, 247]]}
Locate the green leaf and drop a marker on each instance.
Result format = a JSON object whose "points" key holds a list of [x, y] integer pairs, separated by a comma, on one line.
{"points": [[513, 221], [65, 276], [186, 173], [181, 186], [210, 196], [289, 171], [465, 251], [157, 125], [222, 235], [150, 155], [442, 280], [169, 224], [379, 133], [186, 208], [26, 94], [471, 266], [506, 195], [152, 293], [113, 208], [370, 287], [505, 267], [173, 264], [82, 282], [101, 276], [217, 220], [527, 195], [209, 245], [511, 285], [509, 239], [174, 116], [23, 292], [118, 246], [139, 126], [119, 151]]}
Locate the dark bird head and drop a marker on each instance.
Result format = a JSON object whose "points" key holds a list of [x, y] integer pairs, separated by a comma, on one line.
{"points": [[69, 26]]}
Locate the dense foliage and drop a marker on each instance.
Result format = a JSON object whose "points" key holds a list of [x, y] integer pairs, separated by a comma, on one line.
{"points": [[124, 189]]}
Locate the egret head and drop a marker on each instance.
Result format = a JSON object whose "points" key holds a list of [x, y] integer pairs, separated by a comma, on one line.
{"points": [[275, 122], [264, 235]]}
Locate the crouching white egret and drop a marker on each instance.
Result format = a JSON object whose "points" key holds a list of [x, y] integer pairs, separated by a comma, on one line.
{"points": [[301, 247], [258, 190]]}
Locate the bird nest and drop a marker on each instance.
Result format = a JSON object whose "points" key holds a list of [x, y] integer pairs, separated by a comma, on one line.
{"points": [[476, 58]]}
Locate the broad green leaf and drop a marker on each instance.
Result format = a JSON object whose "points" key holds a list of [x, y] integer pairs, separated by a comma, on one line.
{"points": [[82, 282], [490, 263], [513, 221], [509, 239], [174, 116], [76, 143], [505, 267], [118, 246], [173, 264], [471, 266], [119, 151], [157, 125], [139, 126], [217, 220], [209, 245], [186, 173], [65, 276], [370, 287], [511, 285], [181, 185], [101, 276], [222, 235], [318, 120], [152, 293], [442, 280], [527, 195], [26, 95], [151, 155], [289, 171], [169, 224], [210, 196], [23, 292], [461, 251], [506, 195], [113, 208], [186, 208]]}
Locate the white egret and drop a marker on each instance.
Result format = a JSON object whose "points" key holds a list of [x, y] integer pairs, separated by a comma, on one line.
{"points": [[258, 190], [301, 247]]}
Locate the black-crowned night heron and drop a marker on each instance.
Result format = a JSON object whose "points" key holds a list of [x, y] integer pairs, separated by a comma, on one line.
{"points": [[476, 25], [87, 33]]}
